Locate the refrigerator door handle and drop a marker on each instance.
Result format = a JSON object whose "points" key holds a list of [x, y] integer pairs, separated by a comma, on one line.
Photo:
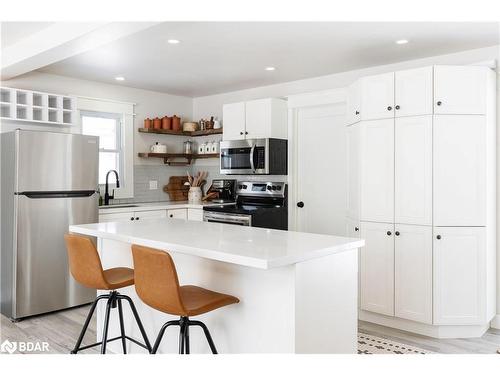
{"points": [[57, 194]]}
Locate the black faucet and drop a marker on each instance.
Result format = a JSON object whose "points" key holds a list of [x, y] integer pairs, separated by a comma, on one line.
{"points": [[106, 191]]}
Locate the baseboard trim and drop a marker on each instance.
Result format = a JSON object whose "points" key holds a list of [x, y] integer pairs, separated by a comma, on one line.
{"points": [[439, 332], [495, 322]]}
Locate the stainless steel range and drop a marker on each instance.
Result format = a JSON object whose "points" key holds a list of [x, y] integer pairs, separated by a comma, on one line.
{"points": [[258, 204]]}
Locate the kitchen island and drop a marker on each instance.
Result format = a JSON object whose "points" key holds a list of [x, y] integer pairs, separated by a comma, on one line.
{"points": [[298, 291]]}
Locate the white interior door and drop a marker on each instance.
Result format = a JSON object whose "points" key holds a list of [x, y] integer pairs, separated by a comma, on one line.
{"points": [[413, 92], [377, 170], [460, 90], [233, 119], [377, 268], [459, 275], [353, 170], [413, 273], [459, 169], [413, 170], [377, 97], [321, 172]]}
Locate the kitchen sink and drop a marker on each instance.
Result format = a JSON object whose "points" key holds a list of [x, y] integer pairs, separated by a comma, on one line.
{"points": [[118, 206]]}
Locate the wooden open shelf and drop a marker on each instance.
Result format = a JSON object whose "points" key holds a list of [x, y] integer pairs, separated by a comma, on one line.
{"points": [[197, 133], [167, 158]]}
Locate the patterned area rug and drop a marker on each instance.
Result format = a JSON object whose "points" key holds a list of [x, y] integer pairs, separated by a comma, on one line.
{"points": [[368, 344]]}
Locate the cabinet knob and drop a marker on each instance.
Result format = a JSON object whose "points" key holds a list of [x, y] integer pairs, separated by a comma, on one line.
{"points": [[357, 112], [300, 204], [438, 236], [398, 107], [389, 232], [246, 132], [136, 218], [396, 233], [241, 133], [356, 229], [171, 215], [389, 108], [439, 103], [131, 218]]}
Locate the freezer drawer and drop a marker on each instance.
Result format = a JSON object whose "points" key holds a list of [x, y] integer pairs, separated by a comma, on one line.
{"points": [[42, 279]]}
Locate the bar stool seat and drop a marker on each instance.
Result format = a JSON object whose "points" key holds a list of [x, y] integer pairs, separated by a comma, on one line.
{"points": [[86, 268], [157, 285], [198, 300]]}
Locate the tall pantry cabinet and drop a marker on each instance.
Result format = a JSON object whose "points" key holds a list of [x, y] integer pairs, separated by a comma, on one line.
{"points": [[422, 159]]}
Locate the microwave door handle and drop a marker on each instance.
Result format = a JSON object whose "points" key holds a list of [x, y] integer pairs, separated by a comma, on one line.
{"points": [[252, 151]]}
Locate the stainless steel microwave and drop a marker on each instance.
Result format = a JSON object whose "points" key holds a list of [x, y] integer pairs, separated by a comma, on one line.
{"points": [[254, 156]]}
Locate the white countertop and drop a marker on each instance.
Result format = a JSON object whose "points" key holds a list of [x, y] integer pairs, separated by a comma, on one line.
{"points": [[246, 246], [136, 207]]}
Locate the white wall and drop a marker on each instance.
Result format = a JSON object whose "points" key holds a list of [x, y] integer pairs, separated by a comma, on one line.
{"points": [[148, 104]]}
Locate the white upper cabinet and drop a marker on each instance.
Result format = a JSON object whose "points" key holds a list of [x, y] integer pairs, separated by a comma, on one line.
{"points": [[377, 170], [377, 97], [413, 92], [263, 118], [460, 90], [459, 276], [353, 103], [377, 268], [413, 170], [413, 272], [459, 169]]}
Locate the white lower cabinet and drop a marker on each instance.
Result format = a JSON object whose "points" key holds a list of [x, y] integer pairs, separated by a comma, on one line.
{"points": [[150, 214], [121, 216], [178, 213], [460, 275], [195, 214], [413, 273], [377, 268]]}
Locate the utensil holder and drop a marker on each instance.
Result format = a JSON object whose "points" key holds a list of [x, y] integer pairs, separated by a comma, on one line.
{"points": [[194, 195]]}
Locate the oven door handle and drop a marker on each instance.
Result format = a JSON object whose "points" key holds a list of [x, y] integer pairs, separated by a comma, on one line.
{"points": [[252, 164]]}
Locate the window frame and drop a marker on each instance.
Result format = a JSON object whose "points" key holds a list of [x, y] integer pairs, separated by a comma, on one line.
{"points": [[119, 138]]}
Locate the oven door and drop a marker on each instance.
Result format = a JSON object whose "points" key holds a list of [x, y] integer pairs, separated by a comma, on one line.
{"points": [[250, 156], [235, 219]]}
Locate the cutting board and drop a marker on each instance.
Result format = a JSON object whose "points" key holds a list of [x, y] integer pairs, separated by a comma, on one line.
{"points": [[176, 189]]}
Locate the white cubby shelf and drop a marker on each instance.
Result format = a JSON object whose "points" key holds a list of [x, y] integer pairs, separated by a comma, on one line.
{"points": [[37, 107]]}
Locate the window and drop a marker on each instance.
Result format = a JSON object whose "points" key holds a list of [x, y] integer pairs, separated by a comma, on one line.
{"points": [[107, 126]]}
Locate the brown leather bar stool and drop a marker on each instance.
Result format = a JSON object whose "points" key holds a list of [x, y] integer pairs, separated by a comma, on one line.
{"points": [[86, 268], [157, 285]]}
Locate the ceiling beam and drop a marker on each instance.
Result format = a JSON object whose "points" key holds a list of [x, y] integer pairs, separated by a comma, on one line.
{"points": [[61, 41]]}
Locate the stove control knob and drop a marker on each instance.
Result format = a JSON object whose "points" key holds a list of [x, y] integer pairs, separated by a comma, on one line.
{"points": [[279, 187], [274, 187], [240, 186], [268, 187]]}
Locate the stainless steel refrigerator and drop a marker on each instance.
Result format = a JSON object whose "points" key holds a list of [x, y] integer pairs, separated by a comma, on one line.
{"points": [[49, 181]]}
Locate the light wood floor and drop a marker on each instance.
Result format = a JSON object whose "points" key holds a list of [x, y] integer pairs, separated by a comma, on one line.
{"points": [[61, 330]]}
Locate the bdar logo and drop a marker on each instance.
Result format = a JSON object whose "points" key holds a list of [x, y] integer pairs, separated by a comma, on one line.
{"points": [[9, 347]]}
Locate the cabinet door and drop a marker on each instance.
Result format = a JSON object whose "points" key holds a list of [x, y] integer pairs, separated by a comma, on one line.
{"points": [[460, 89], [459, 170], [377, 97], [150, 214], [353, 170], [353, 103], [178, 213], [377, 268], [413, 93], [459, 276], [233, 117], [122, 216], [413, 170], [258, 116], [377, 170], [413, 272], [195, 214]]}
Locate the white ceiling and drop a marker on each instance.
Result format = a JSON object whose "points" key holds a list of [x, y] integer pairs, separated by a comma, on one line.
{"points": [[219, 57], [13, 32]]}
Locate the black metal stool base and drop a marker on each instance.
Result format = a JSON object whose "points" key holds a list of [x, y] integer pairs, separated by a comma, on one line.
{"points": [[114, 299], [184, 324]]}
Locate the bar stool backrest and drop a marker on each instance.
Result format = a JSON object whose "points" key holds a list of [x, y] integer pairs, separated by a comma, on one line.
{"points": [[84, 262], [156, 281]]}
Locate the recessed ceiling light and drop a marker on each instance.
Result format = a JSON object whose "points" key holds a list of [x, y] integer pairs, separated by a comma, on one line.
{"points": [[173, 41], [401, 41], [270, 68], [120, 78]]}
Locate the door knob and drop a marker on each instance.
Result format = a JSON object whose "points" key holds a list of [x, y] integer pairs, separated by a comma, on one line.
{"points": [[300, 204], [389, 232], [438, 236], [356, 229]]}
